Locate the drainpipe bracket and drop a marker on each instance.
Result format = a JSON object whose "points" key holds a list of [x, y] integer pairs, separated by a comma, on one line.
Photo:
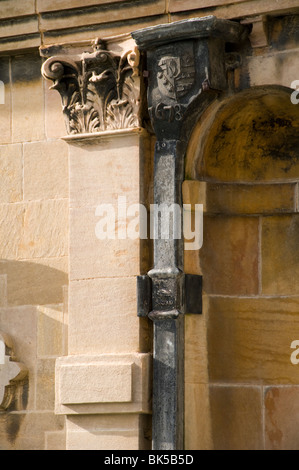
{"points": [[192, 296], [144, 295]]}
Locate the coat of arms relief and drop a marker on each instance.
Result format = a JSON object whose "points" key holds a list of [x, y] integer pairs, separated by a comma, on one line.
{"points": [[176, 76], [175, 79]]}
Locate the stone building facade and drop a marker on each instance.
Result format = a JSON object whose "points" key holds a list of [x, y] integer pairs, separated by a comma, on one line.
{"points": [[83, 124]]}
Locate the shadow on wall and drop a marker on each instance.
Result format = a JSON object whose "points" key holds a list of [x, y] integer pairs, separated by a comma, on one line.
{"points": [[31, 312], [27, 283], [11, 422]]}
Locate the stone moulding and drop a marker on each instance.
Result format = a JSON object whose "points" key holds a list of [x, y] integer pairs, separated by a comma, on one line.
{"points": [[100, 90], [96, 137], [193, 28]]}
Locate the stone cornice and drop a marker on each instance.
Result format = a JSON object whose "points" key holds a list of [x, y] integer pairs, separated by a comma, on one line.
{"points": [[194, 28], [24, 26]]}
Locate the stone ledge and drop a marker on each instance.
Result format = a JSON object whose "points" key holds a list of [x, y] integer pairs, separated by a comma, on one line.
{"points": [[110, 383], [241, 199], [93, 137], [15, 8], [230, 9], [107, 12], [19, 26], [57, 5]]}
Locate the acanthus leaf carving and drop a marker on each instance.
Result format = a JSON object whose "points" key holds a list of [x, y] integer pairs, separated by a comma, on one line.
{"points": [[100, 90]]}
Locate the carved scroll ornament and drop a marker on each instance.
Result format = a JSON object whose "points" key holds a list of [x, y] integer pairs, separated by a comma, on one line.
{"points": [[100, 90], [11, 372]]}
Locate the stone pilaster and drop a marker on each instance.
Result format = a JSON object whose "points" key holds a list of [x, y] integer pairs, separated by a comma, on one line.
{"points": [[105, 381]]}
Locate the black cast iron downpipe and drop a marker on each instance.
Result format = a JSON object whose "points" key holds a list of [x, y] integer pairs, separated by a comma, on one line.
{"points": [[187, 71]]}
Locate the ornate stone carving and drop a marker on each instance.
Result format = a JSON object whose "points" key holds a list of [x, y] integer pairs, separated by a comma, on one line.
{"points": [[186, 61], [11, 372], [176, 75], [99, 90]]}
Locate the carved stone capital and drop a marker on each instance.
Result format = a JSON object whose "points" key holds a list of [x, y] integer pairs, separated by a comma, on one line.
{"points": [[100, 90], [186, 61], [11, 371]]}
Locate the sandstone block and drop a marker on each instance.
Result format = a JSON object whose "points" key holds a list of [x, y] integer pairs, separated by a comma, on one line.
{"points": [[98, 432], [103, 384], [28, 430], [5, 101], [249, 340], [11, 169], [194, 192], [11, 230], [14, 8], [55, 440], [51, 329], [30, 41], [101, 30], [278, 68], [236, 418], [45, 170], [182, 5], [27, 99], [95, 383], [54, 119], [280, 257], [229, 255], [100, 311], [229, 10], [198, 432], [90, 171], [281, 418], [192, 262], [45, 231], [56, 5], [35, 282], [3, 290], [106, 13], [251, 199], [45, 384], [91, 257], [196, 347], [20, 26]]}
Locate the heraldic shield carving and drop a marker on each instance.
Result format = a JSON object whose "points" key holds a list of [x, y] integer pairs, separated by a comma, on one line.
{"points": [[176, 70], [173, 83], [176, 75]]}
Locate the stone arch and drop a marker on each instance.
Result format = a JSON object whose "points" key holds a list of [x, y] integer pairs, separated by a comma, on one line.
{"points": [[242, 164], [266, 123]]}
